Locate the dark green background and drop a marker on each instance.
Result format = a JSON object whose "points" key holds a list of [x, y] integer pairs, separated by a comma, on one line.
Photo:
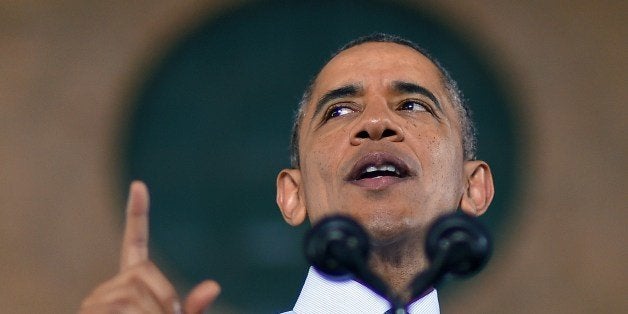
{"points": [[211, 131]]}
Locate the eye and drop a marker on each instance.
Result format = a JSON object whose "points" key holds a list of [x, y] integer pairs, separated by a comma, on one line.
{"points": [[413, 105], [337, 111]]}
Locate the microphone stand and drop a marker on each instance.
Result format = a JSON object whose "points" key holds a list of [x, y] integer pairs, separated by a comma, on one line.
{"points": [[361, 271], [429, 277], [424, 280]]}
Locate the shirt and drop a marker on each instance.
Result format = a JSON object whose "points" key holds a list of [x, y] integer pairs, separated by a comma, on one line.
{"points": [[323, 295]]}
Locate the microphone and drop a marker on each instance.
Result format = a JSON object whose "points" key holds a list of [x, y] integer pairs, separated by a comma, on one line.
{"points": [[464, 242], [457, 245], [339, 247]]}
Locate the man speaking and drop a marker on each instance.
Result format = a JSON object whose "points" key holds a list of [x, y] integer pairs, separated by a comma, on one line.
{"points": [[381, 136]]}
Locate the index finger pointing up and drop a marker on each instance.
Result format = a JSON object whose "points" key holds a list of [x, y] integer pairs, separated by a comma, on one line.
{"points": [[135, 240]]}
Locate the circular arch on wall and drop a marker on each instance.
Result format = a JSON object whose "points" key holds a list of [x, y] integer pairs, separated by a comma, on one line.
{"points": [[211, 129]]}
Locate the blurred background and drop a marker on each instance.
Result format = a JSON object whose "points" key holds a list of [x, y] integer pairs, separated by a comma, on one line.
{"points": [[196, 98]]}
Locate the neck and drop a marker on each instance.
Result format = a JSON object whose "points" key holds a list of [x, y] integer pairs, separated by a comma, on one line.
{"points": [[397, 264]]}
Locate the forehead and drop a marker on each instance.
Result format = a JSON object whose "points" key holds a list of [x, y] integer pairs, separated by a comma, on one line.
{"points": [[378, 64]]}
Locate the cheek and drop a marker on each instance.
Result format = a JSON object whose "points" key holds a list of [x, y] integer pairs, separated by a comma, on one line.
{"points": [[325, 152], [319, 162], [440, 157], [321, 157], [446, 169]]}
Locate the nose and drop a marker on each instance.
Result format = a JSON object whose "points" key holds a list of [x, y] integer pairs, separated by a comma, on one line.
{"points": [[376, 124]]}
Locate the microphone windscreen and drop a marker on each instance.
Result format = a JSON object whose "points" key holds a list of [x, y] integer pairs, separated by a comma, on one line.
{"points": [[466, 241], [336, 246]]}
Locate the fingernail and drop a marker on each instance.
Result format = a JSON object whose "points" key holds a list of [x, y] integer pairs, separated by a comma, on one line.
{"points": [[176, 307]]}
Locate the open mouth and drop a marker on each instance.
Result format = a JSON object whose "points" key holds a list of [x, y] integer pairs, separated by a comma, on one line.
{"points": [[380, 171], [378, 165]]}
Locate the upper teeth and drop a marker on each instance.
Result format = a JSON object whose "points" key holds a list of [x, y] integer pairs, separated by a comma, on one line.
{"points": [[390, 168]]}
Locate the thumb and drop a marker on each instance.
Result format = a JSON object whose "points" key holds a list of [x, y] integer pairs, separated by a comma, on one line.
{"points": [[201, 297]]}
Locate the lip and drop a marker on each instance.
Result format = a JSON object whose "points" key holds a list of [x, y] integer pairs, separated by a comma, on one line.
{"points": [[378, 159], [378, 183]]}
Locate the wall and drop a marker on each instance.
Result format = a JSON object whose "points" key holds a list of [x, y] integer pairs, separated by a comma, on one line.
{"points": [[69, 69]]}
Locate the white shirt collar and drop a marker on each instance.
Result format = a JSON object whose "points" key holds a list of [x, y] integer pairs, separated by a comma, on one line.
{"points": [[322, 295]]}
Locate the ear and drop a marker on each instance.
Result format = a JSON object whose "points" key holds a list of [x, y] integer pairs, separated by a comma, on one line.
{"points": [[289, 198], [479, 188]]}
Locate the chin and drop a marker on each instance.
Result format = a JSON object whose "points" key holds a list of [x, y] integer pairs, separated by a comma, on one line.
{"points": [[385, 233]]}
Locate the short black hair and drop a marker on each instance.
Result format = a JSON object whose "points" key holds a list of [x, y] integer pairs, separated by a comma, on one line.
{"points": [[469, 134]]}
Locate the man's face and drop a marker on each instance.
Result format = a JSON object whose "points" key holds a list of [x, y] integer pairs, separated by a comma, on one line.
{"points": [[380, 142]]}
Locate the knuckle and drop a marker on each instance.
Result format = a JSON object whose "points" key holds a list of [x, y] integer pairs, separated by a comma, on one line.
{"points": [[145, 266], [149, 265], [139, 241], [128, 300], [141, 268], [135, 281]]}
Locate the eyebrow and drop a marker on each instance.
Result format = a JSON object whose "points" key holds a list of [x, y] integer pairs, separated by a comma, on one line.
{"points": [[412, 88], [341, 92]]}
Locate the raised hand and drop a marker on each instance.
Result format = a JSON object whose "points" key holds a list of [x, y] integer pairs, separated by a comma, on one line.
{"points": [[139, 286]]}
